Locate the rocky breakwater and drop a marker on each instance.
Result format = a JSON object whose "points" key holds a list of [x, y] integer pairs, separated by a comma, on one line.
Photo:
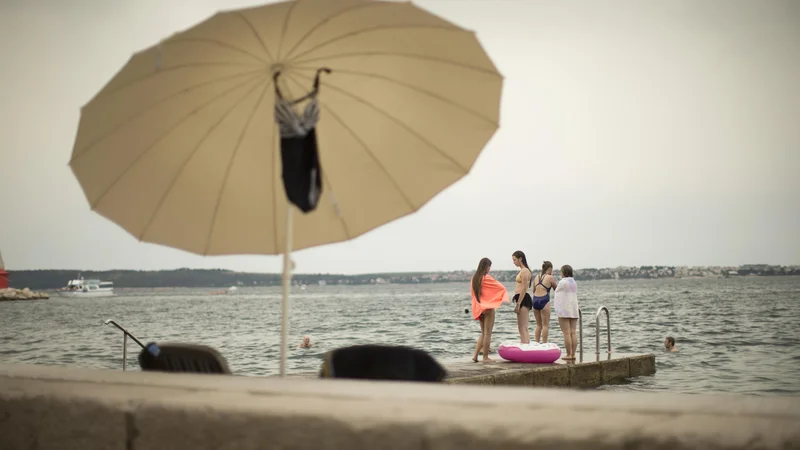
{"points": [[21, 294]]}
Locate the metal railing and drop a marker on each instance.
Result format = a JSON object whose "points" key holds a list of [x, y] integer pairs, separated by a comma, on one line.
{"points": [[597, 330], [125, 334], [580, 332]]}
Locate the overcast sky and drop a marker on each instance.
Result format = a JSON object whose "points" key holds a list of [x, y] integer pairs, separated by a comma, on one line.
{"points": [[672, 127]]}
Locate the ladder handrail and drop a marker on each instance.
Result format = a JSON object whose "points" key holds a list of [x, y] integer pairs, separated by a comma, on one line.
{"points": [[597, 329], [121, 328], [125, 335], [580, 331]]}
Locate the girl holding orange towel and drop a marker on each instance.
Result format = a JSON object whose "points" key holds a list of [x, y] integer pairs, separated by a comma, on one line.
{"points": [[487, 295]]}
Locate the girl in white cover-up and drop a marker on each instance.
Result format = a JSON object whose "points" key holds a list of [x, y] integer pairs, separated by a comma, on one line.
{"points": [[566, 306]]}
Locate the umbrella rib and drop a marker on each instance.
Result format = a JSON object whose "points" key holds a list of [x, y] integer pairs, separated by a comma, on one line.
{"points": [[396, 121], [165, 70], [328, 19], [191, 156], [127, 120], [371, 154], [219, 43], [379, 28], [366, 149], [398, 54], [255, 33], [416, 89], [327, 181], [230, 164], [272, 179], [285, 26], [163, 136]]}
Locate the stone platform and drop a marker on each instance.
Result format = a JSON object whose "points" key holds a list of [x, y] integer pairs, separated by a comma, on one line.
{"points": [[612, 368], [609, 369]]}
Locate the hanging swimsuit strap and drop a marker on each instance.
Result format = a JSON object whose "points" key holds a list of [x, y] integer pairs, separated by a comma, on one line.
{"points": [[311, 94], [289, 122]]}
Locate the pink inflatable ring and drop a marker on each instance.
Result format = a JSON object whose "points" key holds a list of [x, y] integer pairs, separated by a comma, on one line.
{"points": [[529, 353]]}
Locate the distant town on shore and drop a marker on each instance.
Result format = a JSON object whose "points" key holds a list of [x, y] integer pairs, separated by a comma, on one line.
{"points": [[53, 279]]}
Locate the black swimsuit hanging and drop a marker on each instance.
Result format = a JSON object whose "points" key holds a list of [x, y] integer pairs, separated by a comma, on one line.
{"points": [[302, 173]]}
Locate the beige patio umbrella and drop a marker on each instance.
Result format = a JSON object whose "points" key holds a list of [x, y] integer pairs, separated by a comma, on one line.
{"points": [[181, 148]]}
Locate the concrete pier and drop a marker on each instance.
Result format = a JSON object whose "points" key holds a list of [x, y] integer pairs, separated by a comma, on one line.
{"points": [[592, 372], [67, 408]]}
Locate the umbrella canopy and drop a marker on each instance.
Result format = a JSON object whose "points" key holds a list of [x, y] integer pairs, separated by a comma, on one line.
{"points": [[180, 147]]}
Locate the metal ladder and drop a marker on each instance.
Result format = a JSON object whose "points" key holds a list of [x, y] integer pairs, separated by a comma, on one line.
{"points": [[596, 331], [125, 334]]}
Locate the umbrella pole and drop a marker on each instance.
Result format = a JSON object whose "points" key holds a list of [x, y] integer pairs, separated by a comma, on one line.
{"points": [[287, 285]]}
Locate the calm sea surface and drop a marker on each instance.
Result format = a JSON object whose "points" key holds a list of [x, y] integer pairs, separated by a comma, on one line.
{"points": [[737, 335]]}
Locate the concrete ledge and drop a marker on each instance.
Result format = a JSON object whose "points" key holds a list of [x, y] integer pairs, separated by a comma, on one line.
{"points": [[642, 365], [519, 378], [584, 375], [551, 376], [42, 421], [617, 370], [65, 408], [614, 368]]}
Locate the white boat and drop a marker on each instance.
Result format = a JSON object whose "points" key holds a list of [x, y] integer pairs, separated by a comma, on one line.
{"points": [[87, 288]]}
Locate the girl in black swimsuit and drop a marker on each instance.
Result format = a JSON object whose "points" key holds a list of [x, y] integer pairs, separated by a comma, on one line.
{"points": [[522, 300], [542, 284]]}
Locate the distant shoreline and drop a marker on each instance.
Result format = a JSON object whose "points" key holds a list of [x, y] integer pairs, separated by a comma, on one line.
{"points": [[218, 278]]}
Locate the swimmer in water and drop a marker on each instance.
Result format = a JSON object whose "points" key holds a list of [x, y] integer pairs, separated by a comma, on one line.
{"points": [[306, 342], [669, 343]]}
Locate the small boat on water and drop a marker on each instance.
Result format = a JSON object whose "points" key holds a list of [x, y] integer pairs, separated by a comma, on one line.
{"points": [[87, 288]]}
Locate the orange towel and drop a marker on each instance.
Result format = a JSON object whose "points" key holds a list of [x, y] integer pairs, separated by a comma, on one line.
{"points": [[493, 294]]}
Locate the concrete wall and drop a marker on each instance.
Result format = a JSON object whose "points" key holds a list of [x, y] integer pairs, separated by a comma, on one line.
{"points": [[43, 408]]}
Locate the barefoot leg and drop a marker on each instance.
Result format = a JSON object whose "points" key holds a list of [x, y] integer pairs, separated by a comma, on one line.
{"points": [[564, 324], [525, 315], [488, 325], [480, 340], [573, 331], [537, 333], [523, 322], [546, 322]]}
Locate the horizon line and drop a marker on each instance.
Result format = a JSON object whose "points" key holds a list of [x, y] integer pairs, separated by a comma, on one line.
{"points": [[387, 273]]}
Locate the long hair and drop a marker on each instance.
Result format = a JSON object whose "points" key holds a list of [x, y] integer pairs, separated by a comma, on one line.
{"points": [[566, 271], [477, 279], [520, 255]]}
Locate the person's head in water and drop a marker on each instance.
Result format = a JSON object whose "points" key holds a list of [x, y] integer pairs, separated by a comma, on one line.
{"points": [[669, 343], [477, 280], [547, 268], [566, 271], [306, 342]]}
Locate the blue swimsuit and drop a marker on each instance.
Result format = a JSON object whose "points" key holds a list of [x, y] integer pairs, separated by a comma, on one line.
{"points": [[540, 302]]}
